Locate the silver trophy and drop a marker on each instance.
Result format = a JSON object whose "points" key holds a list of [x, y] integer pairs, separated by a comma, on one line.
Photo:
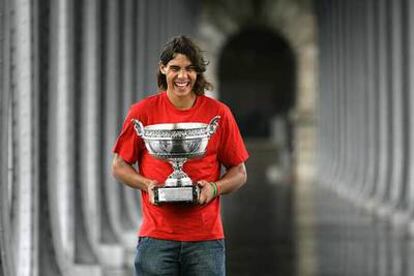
{"points": [[177, 143]]}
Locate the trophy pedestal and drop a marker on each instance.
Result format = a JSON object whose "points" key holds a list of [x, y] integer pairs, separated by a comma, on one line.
{"points": [[180, 194]]}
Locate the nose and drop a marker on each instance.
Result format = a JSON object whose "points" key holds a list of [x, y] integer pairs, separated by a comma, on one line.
{"points": [[182, 73]]}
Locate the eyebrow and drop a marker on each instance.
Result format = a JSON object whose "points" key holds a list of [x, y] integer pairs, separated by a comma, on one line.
{"points": [[188, 66]]}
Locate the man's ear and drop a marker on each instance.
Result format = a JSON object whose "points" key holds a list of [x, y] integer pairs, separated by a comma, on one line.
{"points": [[163, 69]]}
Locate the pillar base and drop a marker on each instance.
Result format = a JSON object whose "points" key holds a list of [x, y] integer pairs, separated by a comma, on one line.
{"points": [[384, 211], [112, 255], [411, 228], [400, 219], [86, 270]]}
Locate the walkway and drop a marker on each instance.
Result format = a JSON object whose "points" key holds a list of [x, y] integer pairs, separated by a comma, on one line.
{"points": [[272, 230]]}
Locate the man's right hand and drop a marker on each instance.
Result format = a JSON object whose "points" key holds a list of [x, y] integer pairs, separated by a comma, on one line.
{"points": [[150, 189]]}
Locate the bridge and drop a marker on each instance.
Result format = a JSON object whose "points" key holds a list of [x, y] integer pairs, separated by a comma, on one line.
{"points": [[321, 91]]}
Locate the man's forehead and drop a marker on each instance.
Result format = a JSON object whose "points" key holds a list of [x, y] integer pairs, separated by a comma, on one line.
{"points": [[180, 59], [179, 63]]}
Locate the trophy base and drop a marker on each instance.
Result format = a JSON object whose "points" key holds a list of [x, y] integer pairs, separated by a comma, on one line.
{"points": [[174, 194]]}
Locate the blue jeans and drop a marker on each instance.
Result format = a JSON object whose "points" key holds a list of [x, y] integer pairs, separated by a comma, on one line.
{"points": [[164, 257]]}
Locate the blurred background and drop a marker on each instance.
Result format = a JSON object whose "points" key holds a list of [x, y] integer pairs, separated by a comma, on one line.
{"points": [[322, 93]]}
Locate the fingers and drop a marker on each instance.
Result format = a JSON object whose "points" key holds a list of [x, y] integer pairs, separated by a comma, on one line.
{"points": [[202, 199], [205, 192], [151, 185], [150, 190]]}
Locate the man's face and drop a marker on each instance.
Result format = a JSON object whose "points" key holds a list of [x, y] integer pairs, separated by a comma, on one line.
{"points": [[180, 74]]}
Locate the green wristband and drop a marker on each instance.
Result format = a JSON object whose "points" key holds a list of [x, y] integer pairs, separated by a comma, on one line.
{"points": [[214, 188]]}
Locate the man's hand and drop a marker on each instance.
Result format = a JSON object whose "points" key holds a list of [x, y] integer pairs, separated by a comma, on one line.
{"points": [[150, 190], [207, 192]]}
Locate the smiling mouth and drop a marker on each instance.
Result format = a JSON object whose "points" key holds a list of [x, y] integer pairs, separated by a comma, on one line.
{"points": [[182, 84]]}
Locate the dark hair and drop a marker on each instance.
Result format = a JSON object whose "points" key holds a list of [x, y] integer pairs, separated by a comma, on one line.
{"points": [[184, 45]]}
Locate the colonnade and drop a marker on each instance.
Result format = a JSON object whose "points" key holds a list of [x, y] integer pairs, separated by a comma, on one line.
{"points": [[366, 119], [69, 71]]}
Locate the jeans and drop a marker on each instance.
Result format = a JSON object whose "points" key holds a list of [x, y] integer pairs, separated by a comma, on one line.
{"points": [[165, 257]]}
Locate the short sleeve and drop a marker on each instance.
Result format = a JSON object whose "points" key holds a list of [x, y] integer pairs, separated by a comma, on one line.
{"points": [[232, 150], [128, 144]]}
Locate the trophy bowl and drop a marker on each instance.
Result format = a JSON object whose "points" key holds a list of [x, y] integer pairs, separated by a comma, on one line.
{"points": [[176, 143]]}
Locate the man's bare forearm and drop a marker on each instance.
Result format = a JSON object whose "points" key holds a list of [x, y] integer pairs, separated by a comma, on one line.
{"points": [[233, 179], [127, 174]]}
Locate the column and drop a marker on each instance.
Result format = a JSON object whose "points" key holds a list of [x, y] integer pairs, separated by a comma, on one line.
{"points": [[6, 159], [24, 161], [397, 98]]}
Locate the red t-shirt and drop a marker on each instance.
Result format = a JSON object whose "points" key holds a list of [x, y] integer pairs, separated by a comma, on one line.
{"points": [[182, 222]]}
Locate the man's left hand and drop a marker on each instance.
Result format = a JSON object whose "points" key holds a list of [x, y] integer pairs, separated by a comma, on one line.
{"points": [[206, 192]]}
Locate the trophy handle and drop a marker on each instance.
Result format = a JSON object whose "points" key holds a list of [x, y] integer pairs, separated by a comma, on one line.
{"points": [[139, 127], [212, 126]]}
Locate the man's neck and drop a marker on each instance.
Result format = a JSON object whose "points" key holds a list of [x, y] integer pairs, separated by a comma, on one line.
{"points": [[182, 103]]}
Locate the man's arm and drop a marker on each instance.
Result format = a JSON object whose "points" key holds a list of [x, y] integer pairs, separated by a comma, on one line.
{"points": [[127, 174], [232, 180]]}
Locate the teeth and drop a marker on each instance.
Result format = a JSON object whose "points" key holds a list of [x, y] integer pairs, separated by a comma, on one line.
{"points": [[181, 84]]}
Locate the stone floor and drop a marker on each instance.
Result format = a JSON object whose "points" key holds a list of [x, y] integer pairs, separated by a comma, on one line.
{"points": [[288, 229], [353, 242], [345, 241]]}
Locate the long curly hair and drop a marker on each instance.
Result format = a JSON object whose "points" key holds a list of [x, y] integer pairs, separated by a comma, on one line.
{"points": [[184, 45]]}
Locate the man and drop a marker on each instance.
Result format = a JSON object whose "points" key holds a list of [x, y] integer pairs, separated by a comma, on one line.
{"points": [[181, 239]]}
